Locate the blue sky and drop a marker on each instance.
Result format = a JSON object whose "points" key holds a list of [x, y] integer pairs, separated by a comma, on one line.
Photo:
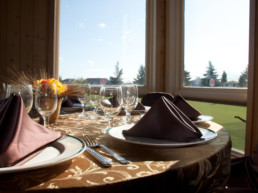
{"points": [[96, 34]]}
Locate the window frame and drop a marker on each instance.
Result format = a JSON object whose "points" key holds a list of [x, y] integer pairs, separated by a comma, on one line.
{"points": [[175, 64]]}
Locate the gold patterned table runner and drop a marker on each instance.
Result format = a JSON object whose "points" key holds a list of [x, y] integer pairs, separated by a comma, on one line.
{"points": [[199, 168]]}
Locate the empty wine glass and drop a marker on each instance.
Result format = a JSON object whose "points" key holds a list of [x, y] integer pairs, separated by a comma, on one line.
{"points": [[94, 94], [2, 91], [130, 100], [83, 97], [46, 100], [111, 102], [25, 91]]}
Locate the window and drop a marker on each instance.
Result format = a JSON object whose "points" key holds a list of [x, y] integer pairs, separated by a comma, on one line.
{"points": [[185, 47], [216, 35], [97, 37]]}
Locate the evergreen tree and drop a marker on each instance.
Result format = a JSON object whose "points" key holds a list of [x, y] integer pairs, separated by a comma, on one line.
{"points": [[117, 79], [140, 78], [187, 78], [210, 73], [243, 78], [224, 77]]}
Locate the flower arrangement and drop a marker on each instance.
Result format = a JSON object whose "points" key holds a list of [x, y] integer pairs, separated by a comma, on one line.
{"points": [[62, 89]]}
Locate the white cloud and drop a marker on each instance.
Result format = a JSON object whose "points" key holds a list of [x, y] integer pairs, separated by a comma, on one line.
{"points": [[102, 25], [81, 25], [61, 58], [100, 40], [127, 35], [90, 62]]}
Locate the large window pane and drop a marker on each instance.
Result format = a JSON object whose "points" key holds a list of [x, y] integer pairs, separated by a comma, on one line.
{"points": [[100, 38], [216, 43]]}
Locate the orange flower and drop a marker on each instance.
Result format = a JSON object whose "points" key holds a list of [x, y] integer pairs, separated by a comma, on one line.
{"points": [[60, 87]]}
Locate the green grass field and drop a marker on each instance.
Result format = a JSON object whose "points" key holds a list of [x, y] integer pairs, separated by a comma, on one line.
{"points": [[225, 116]]}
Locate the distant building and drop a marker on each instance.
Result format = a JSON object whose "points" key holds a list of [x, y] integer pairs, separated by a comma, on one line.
{"points": [[230, 84], [97, 80], [196, 82], [69, 81]]}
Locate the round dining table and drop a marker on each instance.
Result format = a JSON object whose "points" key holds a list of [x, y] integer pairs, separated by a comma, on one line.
{"points": [[202, 167]]}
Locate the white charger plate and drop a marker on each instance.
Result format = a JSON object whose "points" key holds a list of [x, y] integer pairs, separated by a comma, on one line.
{"points": [[116, 132], [203, 118], [61, 150]]}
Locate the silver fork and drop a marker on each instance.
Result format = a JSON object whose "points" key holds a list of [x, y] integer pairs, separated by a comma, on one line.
{"points": [[104, 161], [92, 143]]}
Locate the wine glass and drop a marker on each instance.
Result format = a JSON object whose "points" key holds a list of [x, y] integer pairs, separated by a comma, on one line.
{"points": [[130, 100], [94, 94], [2, 91], [25, 91], [83, 96], [46, 100], [111, 102]]}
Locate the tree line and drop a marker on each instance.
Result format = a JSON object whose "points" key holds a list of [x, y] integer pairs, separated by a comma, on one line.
{"points": [[211, 73]]}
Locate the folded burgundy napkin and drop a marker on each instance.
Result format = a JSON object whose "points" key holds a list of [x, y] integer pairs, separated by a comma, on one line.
{"points": [[20, 136], [139, 107], [186, 108], [164, 121], [150, 98]]}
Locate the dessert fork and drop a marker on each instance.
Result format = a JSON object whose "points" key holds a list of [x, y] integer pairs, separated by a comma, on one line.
{"points": [[92, 143]]}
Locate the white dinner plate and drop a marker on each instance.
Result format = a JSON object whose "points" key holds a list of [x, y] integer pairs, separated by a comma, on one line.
{"points": [[203, 118], [116, 132], [63, 149]]}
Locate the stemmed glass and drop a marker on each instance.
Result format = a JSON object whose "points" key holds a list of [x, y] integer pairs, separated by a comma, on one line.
{"points": [[130, 100], [25, 91], [46, 100], [2, 91], [94, 94], [83, 97], [111, 102]]}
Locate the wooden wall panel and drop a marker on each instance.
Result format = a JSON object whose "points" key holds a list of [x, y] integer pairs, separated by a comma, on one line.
{"points": [[2, 36], [13, 32], [26, 34]]}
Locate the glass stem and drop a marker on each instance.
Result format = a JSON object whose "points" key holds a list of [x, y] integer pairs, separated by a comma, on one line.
{"points": [[83, 108], [46, 121], [110, 121], [128, 117]]}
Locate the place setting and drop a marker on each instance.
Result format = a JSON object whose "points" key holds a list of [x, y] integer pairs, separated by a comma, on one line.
{"points": [[167, 123]]}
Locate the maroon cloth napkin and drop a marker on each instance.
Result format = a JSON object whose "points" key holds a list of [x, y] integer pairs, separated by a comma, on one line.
{"points": [[164, 121], [20, 136], [139, 107], [186, 108], [150, 98]]}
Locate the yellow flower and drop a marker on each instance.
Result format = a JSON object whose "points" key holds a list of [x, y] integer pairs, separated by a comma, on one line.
{"points": [[60, 87]]}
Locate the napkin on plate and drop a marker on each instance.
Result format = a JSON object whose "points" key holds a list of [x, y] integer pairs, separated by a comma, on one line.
{"points": [[164, 121], [186, 108], [150, 98], [20, 136], [139, 106]]}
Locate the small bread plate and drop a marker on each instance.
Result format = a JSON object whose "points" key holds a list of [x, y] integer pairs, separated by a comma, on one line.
{"points": [[203, 118], [116, 132], [61, 150]]}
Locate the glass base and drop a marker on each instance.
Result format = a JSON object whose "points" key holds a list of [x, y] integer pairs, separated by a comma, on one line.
{"points": [[83, 115]]}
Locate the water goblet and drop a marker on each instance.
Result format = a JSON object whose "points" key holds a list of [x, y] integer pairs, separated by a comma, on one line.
{"points": [[46, 100], [111, 102], [94, 94], [130, 100], [25, 91], [2, 91], [83, 96]]}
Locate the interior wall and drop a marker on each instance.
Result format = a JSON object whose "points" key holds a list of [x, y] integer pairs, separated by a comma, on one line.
{"points": [[26, 36]]}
